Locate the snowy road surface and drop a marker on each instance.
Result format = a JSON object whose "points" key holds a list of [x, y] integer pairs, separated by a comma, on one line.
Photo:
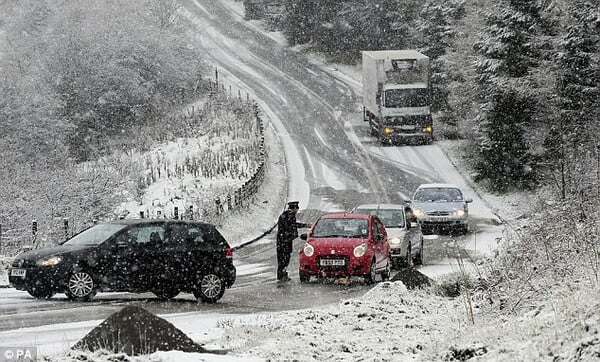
{"points": [[332, 163]]}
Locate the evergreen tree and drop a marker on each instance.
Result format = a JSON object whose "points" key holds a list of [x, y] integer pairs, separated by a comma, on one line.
{"points": [[253, 9], [436, 24], [507, 49], [573, 137], [507, 54], [505, 159], [299, 24]]}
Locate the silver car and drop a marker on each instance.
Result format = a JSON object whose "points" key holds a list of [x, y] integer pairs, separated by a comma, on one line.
{"points": [[406, 242], [441, 208]]}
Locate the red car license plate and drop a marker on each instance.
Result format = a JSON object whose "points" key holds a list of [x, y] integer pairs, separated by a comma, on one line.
{"points": [[333, 262]]}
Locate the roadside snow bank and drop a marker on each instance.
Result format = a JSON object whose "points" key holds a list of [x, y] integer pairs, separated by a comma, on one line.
{"points": [[387, 323]]}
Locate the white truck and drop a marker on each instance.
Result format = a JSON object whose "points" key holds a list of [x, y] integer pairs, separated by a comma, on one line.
{"points": [[397, 96]]}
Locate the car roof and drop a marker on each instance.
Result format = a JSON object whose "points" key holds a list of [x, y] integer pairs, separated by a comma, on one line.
{"points": [[437, 185], [381, 206], [345, 215], [150, 221]]}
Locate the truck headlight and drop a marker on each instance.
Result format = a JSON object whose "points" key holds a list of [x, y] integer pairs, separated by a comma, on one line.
{"points": [[51, 261], [360, 250], [388, 130], [309, 250]]}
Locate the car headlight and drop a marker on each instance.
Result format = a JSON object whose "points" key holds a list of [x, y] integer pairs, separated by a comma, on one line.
{"points": [[458, 213], [51, 261], [388, 130], [360, 250], [418, 213], [309, 250], [395, 241]]}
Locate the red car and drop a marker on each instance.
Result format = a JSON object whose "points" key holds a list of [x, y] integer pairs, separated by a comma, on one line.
{"points": [[344, 245]]}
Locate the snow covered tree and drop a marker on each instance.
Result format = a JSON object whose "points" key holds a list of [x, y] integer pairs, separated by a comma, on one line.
{"points": [[300, 20], [507, 53], [506, 48], [253, 9], [505, 159], [573, 140], [437, 25]]}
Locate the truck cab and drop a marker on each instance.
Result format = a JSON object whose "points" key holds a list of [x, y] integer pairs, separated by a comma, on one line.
{"points": [[397, 96]]}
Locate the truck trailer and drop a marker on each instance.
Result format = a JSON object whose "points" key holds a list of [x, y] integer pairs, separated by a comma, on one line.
{"points": [[397, 96]]}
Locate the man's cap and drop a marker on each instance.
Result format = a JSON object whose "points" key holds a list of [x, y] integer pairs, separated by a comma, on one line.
{"points": [[294, 204]]}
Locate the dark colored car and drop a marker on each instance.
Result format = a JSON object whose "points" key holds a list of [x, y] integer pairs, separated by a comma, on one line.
{"points": [[165, 257], [406, 241], [344, 245]]}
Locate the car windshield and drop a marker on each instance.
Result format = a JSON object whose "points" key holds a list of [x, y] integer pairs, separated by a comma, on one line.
{"points": [[391, 218], [341, 228], [95, 235], [438, 195]]}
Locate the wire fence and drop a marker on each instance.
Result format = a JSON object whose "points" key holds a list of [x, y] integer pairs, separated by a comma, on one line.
{"points": [[14, 238]]}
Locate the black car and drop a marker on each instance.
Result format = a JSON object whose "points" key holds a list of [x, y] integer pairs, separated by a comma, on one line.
{"points": [[160, 256]]}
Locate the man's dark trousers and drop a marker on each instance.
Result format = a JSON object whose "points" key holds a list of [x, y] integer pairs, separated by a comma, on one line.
{"points": [[283, 260]]}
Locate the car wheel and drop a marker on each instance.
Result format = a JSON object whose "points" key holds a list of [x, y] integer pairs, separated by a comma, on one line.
{"points": [[304, 278], [385, 274], [210, 289], [418, 259], [370, 277], [464, 229], [41, 293], [80, 286], [408, 257], [395, 264], [166, 294]]}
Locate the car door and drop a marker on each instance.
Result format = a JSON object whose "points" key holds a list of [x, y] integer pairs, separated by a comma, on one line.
{"points": [[380, 243], [146, 265], [413, 233], [174, 255], [113, 263], [132, 263]]}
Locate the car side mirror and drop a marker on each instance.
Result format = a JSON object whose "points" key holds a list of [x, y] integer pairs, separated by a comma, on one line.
{"points": [[304, 236]]}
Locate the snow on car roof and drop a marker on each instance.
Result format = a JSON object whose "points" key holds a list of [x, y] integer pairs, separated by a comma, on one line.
{"points": [[381, 206], [345, 215], [438, 185]]}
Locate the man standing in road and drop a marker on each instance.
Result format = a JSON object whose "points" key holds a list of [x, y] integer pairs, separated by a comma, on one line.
{"points": [[287, 231]]}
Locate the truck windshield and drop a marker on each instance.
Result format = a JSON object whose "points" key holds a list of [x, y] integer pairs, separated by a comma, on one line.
{"points": [[395, 98]]}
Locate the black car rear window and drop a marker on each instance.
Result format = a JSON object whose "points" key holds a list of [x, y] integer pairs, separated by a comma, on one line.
{"points": [[196, 234]]}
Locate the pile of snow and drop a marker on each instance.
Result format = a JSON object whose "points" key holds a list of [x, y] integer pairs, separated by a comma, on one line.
{"points": [[135, 331]]}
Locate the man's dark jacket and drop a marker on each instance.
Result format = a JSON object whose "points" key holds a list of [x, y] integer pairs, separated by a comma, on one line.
{"points": [[287, 230]]}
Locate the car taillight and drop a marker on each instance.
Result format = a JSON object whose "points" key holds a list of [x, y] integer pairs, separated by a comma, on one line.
{"points": [[228, 253]]}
